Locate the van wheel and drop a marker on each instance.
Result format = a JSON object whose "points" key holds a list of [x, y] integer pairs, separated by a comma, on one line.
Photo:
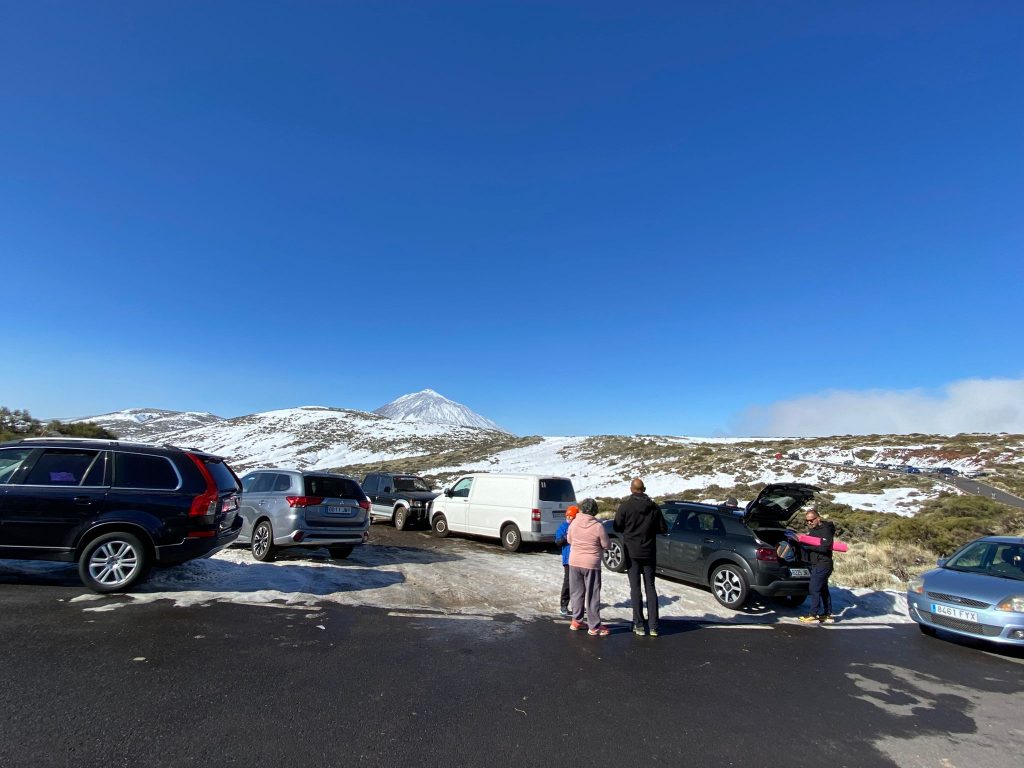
{"points": [[263, 548], [511, 539], [615, 556], [729, 586], [401, 518], [440, 526], [113, 562]]}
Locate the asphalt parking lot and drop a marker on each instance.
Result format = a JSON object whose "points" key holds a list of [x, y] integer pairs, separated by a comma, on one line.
{"points": [[272, 685]]}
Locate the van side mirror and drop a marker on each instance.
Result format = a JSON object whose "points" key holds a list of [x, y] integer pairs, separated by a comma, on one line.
{"points": [[448, 492]]}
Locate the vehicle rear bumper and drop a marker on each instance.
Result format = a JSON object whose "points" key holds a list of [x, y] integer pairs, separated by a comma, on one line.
{"points": [[538, 538], [323, 537], [1007, 629], [782, 587], [203, 546]]}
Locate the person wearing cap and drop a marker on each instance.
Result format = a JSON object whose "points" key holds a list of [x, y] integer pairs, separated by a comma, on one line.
{"points": [[560, 540], [639, 520], [731, 503], [588, 539]]}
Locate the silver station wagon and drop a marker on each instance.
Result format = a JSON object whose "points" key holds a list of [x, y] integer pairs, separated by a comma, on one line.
{"points": [[289, 508]]}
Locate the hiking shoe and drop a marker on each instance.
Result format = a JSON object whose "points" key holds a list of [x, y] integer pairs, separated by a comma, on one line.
{"points": [[575, 625], [638, 630], [828, 619], [809, 619], [600, 631], [653, 633], [563, 612]]}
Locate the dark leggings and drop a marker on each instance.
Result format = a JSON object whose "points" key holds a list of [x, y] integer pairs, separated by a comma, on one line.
{"points": [[644, 568], [565, 587]]}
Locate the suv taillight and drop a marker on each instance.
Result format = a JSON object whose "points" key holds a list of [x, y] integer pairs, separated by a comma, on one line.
{"points": [[205, 504], [767, 554], [535, 515], [304, 501], [365, 505]]}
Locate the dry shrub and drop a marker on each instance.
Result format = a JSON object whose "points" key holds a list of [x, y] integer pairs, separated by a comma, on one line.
{"points": [[886, 565]]}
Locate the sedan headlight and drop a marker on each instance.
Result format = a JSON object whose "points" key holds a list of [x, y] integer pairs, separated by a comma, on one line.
{"points": [[1013, 604], [916, 584]]}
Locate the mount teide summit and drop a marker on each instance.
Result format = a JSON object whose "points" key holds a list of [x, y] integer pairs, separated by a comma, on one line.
{"points": [[431, 407]]}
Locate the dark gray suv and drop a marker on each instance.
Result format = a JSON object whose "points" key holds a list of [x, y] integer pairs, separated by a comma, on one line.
{"points": [[732, 551], [402, 499]]}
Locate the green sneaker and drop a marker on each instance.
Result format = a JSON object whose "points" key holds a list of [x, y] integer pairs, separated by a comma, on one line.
{"points": [[638, 630], [828, 619], [653, 633]]}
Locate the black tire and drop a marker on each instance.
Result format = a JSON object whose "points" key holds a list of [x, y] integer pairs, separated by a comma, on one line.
{"points": [[340, 551], [511, 538], [729, 586], [262, 542], [615, 558], [440, 526], [790, 601], [930, 631], [114, 562], [401, 518]]}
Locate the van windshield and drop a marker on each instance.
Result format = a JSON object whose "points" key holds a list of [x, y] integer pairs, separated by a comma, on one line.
{"points": [[557, 489]]}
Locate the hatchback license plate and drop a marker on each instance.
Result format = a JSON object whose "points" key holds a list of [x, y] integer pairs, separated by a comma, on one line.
{"points": [[955, 613], [799, 573]]}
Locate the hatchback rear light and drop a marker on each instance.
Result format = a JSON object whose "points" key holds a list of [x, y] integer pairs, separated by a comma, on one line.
{"points": [[205, 504], [767, 554], [535, 515], [304, 501]]}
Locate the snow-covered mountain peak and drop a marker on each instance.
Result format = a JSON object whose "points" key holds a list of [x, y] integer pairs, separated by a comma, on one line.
{"points": [[430, 406]]}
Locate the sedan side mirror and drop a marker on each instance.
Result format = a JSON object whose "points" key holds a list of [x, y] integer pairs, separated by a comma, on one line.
{"points": [[941, 562]]}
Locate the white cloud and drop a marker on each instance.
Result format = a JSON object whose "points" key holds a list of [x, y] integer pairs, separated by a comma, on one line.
{"points": [[971, 405]]}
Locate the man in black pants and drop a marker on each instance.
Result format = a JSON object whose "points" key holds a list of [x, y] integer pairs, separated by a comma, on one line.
{"points": [[639, 520], [820, 559]]}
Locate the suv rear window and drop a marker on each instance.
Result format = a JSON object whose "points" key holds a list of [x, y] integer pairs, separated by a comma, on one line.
{"points": [[332, 487], [136, 470], [557, 489], [222, 475]]}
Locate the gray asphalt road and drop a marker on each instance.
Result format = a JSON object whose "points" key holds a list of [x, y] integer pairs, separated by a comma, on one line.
{"points": [[111, 683]]}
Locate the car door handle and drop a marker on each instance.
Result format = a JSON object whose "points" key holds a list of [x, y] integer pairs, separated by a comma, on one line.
{"points": [[83, 500], [710, 541]]}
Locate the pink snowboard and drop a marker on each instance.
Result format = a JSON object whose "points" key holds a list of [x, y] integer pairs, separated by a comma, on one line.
{"points": [[814, 541]]}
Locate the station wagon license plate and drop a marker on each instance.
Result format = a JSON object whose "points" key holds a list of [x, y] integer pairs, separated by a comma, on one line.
{"points": [[340, 511], [955, 613], [799, 573]]}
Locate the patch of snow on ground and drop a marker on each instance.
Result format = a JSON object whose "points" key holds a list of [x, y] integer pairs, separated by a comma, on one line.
{"points": [[902, 501]]}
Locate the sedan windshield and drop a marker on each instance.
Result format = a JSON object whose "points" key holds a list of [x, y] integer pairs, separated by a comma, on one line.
{"points": [[992, 558], [411, 484]]}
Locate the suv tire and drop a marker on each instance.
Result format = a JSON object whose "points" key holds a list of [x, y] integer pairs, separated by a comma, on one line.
{"points": [[615, 558], [511, 539], [113, 562], [729, 586], [440, 526], [262, 545], [340, 551], [401, 518]]}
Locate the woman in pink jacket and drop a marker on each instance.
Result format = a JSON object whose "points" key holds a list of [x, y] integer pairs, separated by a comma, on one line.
{"points": [[587, 539]]}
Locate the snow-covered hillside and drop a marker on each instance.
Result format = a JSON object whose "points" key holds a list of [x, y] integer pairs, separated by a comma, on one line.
{"points": [[429, 406], [150, 424]]}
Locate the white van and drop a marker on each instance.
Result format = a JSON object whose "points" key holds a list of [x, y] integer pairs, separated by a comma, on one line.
{"points": [[513, 508]]}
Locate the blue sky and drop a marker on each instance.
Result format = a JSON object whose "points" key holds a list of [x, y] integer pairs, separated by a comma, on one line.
{"points": [[575, 218]]}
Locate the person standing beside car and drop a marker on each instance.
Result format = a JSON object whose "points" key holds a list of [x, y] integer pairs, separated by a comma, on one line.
{"points": [[563, 542], [639, 520], [588, 540], [819, 557]]}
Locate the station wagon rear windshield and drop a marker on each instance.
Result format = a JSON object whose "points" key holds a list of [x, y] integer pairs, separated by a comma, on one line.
{"points": [[556, 489], [332, 487], [222, 476]]}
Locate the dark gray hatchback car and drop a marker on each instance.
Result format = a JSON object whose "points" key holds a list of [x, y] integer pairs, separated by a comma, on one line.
{"points": [[732, 551]]}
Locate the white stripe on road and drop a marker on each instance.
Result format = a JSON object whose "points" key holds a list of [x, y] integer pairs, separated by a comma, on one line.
{"points": [[452, 616]]}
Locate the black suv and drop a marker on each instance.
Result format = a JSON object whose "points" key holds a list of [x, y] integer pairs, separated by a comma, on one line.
{"points": [[115, 508], [403, 499], [733, 551]]}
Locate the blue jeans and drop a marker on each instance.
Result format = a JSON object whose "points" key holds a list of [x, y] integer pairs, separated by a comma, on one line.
{"points": [[821, 600]]}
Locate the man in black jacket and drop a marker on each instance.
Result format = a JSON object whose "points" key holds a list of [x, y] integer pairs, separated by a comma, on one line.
{"points": [[820, 559], [639, 520]]}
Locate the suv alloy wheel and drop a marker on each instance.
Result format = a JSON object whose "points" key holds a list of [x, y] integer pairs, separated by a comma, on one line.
{"points": [[263, 548], [401, 518], [729, 586], [113, 562]]}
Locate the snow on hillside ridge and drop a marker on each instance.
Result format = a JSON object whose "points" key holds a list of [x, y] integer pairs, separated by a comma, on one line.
{"points": [[149, 424], [427, 405]]}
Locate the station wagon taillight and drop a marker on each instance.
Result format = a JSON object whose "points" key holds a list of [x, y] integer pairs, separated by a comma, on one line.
{"points": [[767, 554], [535, 515], [205, 503], [304, 501]]}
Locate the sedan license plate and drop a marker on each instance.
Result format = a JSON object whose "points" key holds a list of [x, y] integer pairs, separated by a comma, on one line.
{"points": [[799, 573], [955, 613]]}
